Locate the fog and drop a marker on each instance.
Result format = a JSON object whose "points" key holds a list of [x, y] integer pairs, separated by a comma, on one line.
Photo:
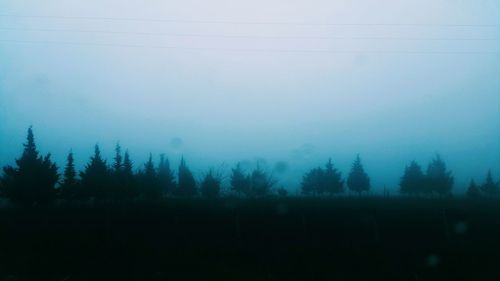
{"points": [[282, 84]]}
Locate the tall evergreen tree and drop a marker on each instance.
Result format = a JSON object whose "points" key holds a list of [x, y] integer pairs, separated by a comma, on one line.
{"points": [[186, 182], [96, 178], [261, 183], [413, 180], [240, 183], [332, 182], [489, 187], [439, 179], [33, 180], [473, 190], [118, 164], [69, 185], [312, 181], [130, 187], [211, 185], [166, 176], [148, 180], [358, 181]]}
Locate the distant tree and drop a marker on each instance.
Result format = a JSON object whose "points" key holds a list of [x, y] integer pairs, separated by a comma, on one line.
{"points": [[489, 187], [128, 178], [312, 182], [148, 181], [473, 190], [166, 176], [358, 181], [186, 182], [438, 179], [69, 186], [282, 192], [210, 185], [96, 178], [261, 183], [240, 182], [332, 182], [118, 160], [33, 179], [413, 180]]}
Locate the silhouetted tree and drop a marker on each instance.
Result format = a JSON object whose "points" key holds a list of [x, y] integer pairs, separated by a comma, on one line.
{"points": [[413, 180], [261, 183], [332, 180], [148, 180], [312, 181], [489, 187], [358, 181], [240, 183], [130, 186], [95, 178], [282, 192], [473, 190], [166, 176], [33, 180], [438, 179], [70, 185], [186, 182], [211, 185]]}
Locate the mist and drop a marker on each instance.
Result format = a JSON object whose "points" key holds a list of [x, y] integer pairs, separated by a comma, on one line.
{"points": [[280, 84]]}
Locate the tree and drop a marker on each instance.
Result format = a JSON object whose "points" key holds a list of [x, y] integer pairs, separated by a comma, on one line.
{"points": [[96, 178], [312, 181], [261, 183], [130, 189], [148, 180], [438, 179], [166, 176], [489, 187], [187, 183], [358, 181], [211, 185], [117, 164], [240, 183], [33, 179], [69, 185], [332, 179], [473, 190], [413, 180]]}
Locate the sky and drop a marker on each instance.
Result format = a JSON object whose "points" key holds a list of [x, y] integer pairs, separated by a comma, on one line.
{"points": [[282, 84]]}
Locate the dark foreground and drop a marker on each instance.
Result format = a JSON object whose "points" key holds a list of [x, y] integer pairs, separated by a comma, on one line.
{"points": [[272, 239]]}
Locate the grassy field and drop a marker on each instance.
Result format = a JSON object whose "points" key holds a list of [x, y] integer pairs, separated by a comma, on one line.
{"points": [[269, 239]]}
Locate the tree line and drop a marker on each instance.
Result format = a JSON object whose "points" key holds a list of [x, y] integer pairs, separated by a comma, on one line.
{"points": [[35, 180]]}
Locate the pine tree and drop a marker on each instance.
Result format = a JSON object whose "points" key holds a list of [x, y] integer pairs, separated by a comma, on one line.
{"points": [[413, 180], [69, 186], [438, 179], [240, 183], [473, 190], [261, 183], [211, 185], [118, 164], [33, 180], [489, 187], [150, 188], [166, 176], [96, 178], [130, 188], [332, 182], [187, 183], [312, 182], [358, 181]]}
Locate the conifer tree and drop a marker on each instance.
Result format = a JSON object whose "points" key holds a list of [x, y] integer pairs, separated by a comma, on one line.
{"points": [[33, 180], [473, 190], [358, 181], [96, 178], [240, 183], [166, 176], [312, 182], [128, 178], [186, 182], [332, 182], [438, 179], [211, 185], [69, 185], [413, 180], [489, 187], [261, 183], [148, 180]]}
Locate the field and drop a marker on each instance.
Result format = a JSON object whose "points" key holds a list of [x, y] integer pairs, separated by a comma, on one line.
{"points": [[267, 239]]}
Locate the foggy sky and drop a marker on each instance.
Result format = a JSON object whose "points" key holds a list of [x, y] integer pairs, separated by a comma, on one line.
{"points": [[290, 82]]}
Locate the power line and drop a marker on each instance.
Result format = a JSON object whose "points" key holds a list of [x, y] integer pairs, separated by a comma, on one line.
{"points": [[247, 36], [251, 49], [243, 22]]}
